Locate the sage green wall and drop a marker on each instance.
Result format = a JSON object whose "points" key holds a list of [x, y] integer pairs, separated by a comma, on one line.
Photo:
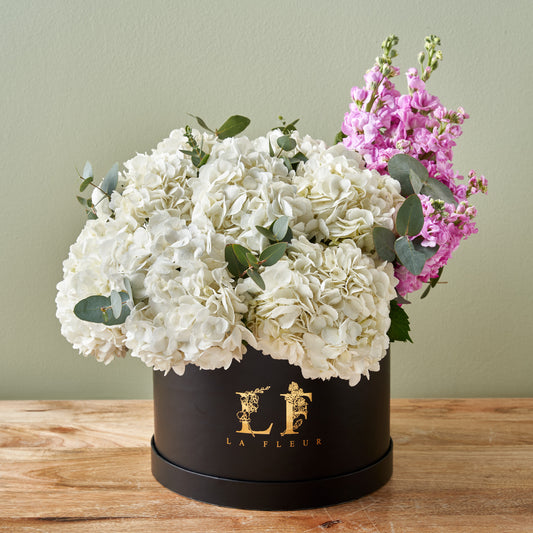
{"points": [[101, 80]]}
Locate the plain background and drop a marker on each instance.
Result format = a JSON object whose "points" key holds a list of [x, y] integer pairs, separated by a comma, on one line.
{"points": [[102, 80]]}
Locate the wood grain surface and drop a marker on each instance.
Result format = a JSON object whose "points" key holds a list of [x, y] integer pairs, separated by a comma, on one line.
{"points": [[84, 466]]}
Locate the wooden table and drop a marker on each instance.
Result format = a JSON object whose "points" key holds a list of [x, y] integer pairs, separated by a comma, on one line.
{"points": [[84, 466]]}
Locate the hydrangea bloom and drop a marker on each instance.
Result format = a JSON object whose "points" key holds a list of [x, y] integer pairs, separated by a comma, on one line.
{"points": [[325, 306]]}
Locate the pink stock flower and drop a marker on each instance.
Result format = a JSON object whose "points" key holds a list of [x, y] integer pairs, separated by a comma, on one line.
{"points": [[416, 124]]}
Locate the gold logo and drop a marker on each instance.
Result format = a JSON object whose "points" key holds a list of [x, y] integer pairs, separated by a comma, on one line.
{"points": [[250, 405], [295, 407], [296, 402]]}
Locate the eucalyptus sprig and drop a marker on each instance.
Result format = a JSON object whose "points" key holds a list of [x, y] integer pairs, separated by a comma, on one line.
{"points": [[108, 185], [244, 263], [109, 310], [286, 144], [399, 245], [285, 128]]}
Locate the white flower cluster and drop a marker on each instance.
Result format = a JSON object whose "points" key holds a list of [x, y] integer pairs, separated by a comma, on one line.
{"points": [[326, 302]]}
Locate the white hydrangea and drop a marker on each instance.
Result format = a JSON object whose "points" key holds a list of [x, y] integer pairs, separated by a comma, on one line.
{"points": [[165, 228], [325, 309], [192, 313], [347, 199]]}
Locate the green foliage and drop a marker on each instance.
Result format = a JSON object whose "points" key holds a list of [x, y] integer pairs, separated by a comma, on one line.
{"points": [[432, 283], [110, 181], [410, 217], [285, 128], [414, 179], [399, 327], [272, 254], [339, 137], [233, 126], [410, 257], [243, 262], [384, 243], [109, 310], [400, 167], [286, 143], [198, 156], [201, 123], [108, 185]]}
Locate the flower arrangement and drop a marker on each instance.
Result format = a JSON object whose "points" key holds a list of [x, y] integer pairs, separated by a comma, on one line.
{"points": [[216, 241]]}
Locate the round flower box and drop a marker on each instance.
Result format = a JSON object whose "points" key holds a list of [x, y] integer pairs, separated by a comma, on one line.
{"points": [[260, 436]]}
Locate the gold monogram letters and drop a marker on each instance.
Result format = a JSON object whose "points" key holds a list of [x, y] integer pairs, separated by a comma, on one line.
{"points": [[296, 402]]}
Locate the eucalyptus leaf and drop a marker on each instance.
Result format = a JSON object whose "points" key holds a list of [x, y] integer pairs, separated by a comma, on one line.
{"points": [[91, 308], [116, 303], [201, 122], [91, 215], [240, 253], [273, 253], [286, 143], [416, 182], [288, 236], [410, 217], [267, 233], [339, 137], [127, 286], [411, 259], [82, 200], [252, 260], [280, 227], [399, 168], [234, 266], [287, 162], [111, 320], [384, 243], [257, 278], [87, 171], [432, 283], [299, 157], [233, 126], [111, 180], [270, 149], [438, 191], [428, 251], [85, 183]]}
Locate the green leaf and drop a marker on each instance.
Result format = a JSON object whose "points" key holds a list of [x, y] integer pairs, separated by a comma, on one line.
{"points": [[273, 253], [204, 159], [82, 200], [188, 152], [234, 266], [384, 243], [233, 126], [91, 309], [289, 128], [286, 143], [299, 157], [240, 253], [288, 236], [87, 171], [85, 183], [270, 149], [399, 168], [252, 260], [428, 251], [410, 217], [287, 162], [111, 320], [401, 300], [399, 327], [416, 182], [410, 258], [127, 286], [438, 191], [257, 278], [111, 180], [201, 122], [91, 215], [339, 137], [432, 283], [116, 303], [267, 233], [280, 227]]}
